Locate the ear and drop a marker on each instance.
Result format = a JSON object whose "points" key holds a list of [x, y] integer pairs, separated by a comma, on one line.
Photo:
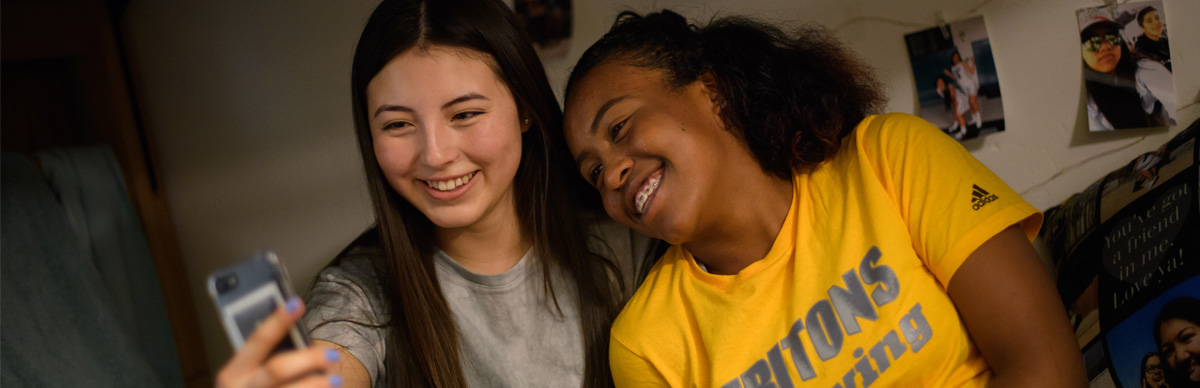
{"points": [[710, 89], [526, 123], [524, 118]]}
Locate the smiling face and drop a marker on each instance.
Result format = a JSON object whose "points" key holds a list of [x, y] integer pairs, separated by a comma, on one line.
{"points": [[447, 135], [1152, 25], [1153, 372], [1180, 346], [660, 156]]}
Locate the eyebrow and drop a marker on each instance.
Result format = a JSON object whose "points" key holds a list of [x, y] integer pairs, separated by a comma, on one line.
{"points": [[596, 124], [600, 113], [392, 108], [463, 98], [400, 108]]}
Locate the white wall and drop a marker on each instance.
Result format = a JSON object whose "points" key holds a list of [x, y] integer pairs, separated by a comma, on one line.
{"points": [[248, 108], [1046, 152]]}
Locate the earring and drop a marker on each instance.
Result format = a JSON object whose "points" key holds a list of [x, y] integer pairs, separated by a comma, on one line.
{"points": [[526, 121]]}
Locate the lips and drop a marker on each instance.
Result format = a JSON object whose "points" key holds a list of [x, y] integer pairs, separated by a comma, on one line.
{"points": [[641, 200], [1107, 54]]}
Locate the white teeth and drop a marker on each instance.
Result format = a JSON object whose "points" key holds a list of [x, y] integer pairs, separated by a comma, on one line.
{"points": [[450, 184], [644, 194]]}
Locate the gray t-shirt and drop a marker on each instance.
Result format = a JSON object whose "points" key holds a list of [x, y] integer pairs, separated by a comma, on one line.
{"points": [[510, 334]]}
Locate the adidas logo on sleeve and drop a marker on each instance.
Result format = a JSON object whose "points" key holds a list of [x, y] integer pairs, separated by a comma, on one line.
{"points": [[981, 197]]}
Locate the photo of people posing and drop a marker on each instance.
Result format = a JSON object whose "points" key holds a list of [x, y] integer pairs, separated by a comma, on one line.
{"points": [[1148, 171], [1126, 66], [957, 86], [1159, 345]]}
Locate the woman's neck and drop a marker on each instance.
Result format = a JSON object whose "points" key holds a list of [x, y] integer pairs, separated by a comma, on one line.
{"points": [[746, 232], [492, 245]]}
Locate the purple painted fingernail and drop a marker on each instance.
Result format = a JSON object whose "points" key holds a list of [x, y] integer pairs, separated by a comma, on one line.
{"points": [[332, 355], [293, 304], [335, 381]]}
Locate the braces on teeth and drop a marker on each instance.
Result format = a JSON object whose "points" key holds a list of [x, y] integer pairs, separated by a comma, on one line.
{"points": [[644, 194]]}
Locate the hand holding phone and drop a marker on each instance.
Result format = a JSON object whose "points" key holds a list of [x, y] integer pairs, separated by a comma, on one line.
{"points": [[256, 365], [250, 294], [247, 293]]}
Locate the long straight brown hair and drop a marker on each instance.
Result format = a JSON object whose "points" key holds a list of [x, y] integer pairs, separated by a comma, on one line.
{"points": [[422, 342]]}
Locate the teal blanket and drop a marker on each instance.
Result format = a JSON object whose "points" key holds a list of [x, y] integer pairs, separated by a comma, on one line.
{"points": [[80, 296]]}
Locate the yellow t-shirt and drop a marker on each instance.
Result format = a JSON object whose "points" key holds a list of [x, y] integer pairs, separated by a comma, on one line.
{"points": [[853, 291]]}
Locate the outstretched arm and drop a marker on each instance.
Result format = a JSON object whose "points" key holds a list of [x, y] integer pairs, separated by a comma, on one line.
{"points": [[1010, 308]]}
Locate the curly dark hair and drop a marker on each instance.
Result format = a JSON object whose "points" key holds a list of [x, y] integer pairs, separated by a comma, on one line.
{"points": [[792, 95]]}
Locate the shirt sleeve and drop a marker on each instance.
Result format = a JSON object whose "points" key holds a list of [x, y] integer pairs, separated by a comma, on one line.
{"points": [[630, 369], [1096, 120], [1155, 84], [951, 202], [342, 309]]}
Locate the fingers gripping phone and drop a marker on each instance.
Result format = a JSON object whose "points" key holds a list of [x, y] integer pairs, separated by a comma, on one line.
{"points": [[247, 293]]}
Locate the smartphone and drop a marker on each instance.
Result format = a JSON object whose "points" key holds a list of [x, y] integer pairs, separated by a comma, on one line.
{"points": [[247, 293]]}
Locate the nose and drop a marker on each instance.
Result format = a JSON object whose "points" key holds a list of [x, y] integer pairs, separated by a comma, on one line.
{"points": [[1105, 42], [441, 146], [616, 172]]}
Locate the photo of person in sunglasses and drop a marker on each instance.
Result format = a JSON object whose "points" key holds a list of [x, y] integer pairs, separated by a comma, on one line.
{"points": [[1124, 90]]}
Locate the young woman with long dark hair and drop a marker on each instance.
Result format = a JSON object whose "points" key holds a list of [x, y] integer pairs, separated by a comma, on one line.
{"points": [[1124, 90], [814, 243], [483, 269], [1177, 333], [1152, 371]]}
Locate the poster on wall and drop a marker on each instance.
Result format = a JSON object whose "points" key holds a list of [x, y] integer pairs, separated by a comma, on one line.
{"points": [[957, 87], [1126, 66], [548, 23], [1128, 272]]}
